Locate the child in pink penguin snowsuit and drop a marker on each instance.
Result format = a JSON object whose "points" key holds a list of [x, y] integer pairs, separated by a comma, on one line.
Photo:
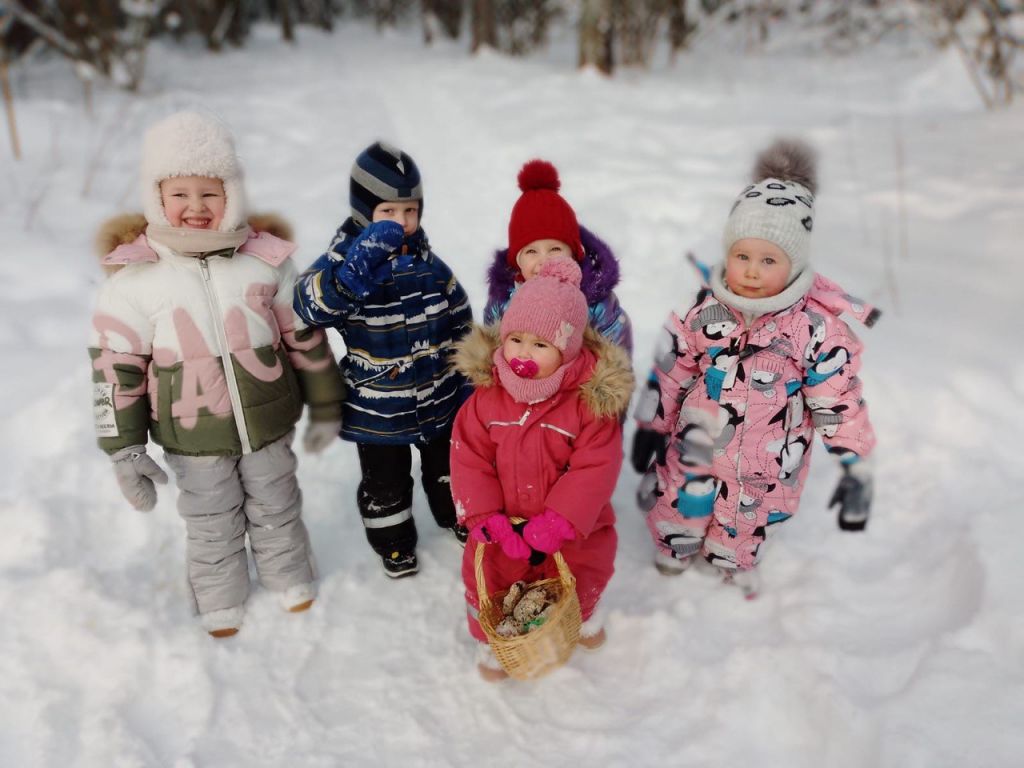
{"points": [[540, 439], [745, 377]]}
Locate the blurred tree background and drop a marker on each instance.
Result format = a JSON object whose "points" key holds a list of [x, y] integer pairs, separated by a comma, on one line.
{"points": [[108, 38]]}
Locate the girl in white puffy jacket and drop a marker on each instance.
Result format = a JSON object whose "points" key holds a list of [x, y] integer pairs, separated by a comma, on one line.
{"points": [[194, 343]]}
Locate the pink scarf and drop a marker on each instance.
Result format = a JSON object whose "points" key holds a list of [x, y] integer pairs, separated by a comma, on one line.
{"points": [[531, 391]]}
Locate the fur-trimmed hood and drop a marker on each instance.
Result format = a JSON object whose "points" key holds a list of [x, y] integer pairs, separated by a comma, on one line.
{"points": [[600, 271], [117, 241], [606, 392]]}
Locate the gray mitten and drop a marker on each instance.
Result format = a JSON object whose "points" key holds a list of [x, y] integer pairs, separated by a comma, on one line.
{"points": [[136, 474], [319, 435]]}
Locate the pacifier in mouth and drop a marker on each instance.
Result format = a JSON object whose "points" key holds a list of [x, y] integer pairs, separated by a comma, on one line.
{"points": [[524, 369]]}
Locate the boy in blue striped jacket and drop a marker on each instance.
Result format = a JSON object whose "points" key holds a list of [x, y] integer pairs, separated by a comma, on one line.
{"points": [[399, 310]]}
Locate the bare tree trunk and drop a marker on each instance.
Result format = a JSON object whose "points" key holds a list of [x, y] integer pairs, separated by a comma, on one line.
{"points": [[427, 20], [447, 16], [596, 35], [87, 95], [484, 25], [5, 85], [680, 29], [636, 23], [287, 30], [1001, 41]]}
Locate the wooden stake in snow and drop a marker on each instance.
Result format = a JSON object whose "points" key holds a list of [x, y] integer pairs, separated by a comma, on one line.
{"points": [[5, 85]]}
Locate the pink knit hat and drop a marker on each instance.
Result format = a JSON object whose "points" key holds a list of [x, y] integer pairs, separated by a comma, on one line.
{"points": [[551, 306]]}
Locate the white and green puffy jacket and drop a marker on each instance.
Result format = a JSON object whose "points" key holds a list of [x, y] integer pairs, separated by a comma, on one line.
{"points": [[164, 325]]}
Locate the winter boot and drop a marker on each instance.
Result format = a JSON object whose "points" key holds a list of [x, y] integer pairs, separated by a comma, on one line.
{"points": [[668, 565], [594, 641], [398, 564], [487, 665], [224, 622], [592, 632], [298, 598], [748, 581], [461, 533]]}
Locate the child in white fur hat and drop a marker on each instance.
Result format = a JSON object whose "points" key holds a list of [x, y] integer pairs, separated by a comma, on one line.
{"points": [[746, 376], [194, 343]]}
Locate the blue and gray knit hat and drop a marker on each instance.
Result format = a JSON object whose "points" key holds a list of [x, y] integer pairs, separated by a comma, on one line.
{"points": [[382, 174]]}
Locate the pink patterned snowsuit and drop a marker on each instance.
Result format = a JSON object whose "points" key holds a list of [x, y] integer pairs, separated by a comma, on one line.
{"points": [[740, 405]]}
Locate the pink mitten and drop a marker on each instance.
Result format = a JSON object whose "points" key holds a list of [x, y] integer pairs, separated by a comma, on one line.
{"points": [[548, 531], [497, 529]]}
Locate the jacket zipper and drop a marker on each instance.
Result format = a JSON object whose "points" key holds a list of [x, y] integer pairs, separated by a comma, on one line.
{"points": [[225, 357], [744, 340]]}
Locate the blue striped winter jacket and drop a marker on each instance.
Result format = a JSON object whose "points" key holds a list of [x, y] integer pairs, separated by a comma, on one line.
{"points": [[401, 385]]}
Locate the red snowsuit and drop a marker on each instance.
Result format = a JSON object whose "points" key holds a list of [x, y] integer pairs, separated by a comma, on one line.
{"points": [[563, 453]]}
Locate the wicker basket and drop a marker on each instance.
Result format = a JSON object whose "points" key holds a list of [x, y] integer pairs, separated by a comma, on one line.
{"points": [[534, 654]]}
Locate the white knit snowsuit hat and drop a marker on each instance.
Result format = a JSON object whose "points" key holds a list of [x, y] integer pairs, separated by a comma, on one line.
{"points": [[779, 205], [192, 144]]}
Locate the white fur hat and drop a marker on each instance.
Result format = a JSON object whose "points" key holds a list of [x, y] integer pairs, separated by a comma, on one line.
{"points": [[779, 205], [192, 144]]}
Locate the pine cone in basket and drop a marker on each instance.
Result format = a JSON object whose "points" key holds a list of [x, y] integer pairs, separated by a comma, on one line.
{"points": [[525, 609], [512, 597], [508, 627], [530, 605]]}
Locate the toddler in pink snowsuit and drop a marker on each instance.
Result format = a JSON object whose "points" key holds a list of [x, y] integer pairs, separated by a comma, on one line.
{"points": [[744, 378], [540, 440]]}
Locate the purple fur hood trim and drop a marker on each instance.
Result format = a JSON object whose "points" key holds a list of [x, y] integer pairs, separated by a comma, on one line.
{"points": [[600, 271]]}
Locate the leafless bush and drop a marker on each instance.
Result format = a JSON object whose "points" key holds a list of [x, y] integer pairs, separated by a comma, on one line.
{"points": [[103, 37], [989, 35]]}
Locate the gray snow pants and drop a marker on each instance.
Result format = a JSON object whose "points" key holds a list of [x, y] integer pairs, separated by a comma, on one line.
{"points": [[223, 498]]}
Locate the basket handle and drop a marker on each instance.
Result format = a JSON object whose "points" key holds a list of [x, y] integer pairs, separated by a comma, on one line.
{"points": [[481, 584]]}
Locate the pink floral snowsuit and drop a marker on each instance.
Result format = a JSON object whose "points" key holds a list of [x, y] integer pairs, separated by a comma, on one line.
{"points": [[740, 405]]}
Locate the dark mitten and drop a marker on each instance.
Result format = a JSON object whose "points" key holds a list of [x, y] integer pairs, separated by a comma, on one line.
{"points": [[497, 529], [366, 262], [536, 556], [853, 496], [646, 445]]}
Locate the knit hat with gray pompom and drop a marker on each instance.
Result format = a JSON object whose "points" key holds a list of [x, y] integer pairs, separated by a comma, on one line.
{"points": [[779, 205]]}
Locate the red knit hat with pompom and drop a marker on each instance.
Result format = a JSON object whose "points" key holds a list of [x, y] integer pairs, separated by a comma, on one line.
{"points": [[541, 213], [551, 306]]}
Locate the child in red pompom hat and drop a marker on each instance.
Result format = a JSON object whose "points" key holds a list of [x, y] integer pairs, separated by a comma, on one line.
{"points": [[540, 440], [544, 225]]}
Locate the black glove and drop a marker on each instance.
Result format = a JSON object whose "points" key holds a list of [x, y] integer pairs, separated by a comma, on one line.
{"points": [[853, 495], [646, 444], [536, 557]]}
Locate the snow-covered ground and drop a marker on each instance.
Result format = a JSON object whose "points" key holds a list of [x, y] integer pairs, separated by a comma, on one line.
{"points": [[901, 647]]}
